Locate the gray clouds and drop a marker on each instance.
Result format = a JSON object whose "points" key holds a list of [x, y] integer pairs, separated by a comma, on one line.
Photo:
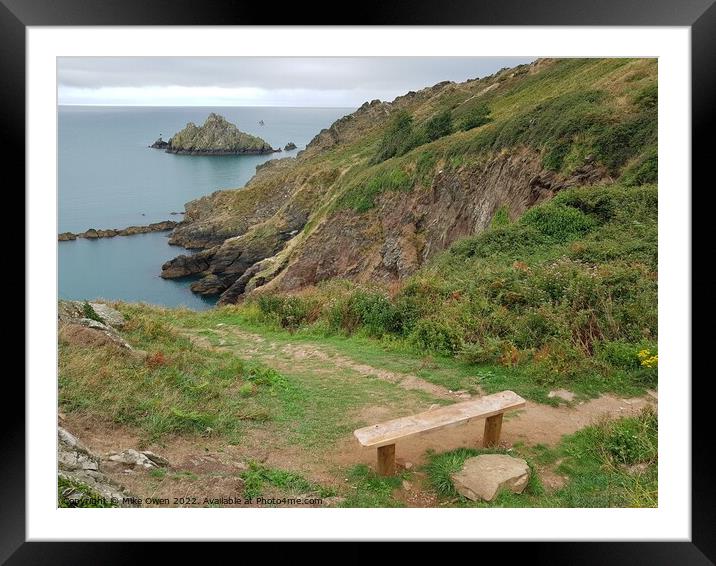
{"points": [[340, 81]]}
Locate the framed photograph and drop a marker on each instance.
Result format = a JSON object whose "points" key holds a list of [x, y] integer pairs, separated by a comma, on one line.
{"points": [[424, 277]]}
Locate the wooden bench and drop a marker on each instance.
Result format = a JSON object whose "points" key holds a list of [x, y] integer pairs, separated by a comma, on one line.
{"points": [[384, 435]]}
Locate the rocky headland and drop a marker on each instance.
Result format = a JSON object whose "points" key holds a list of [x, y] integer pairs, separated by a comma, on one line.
{"points": [[217, 136], [382, 190], [93, 234]]}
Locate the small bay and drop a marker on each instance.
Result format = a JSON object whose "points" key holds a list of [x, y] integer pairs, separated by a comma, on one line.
{"points": [[109, 178]]}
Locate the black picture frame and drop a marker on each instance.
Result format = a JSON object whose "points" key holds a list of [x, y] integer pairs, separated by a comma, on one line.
{"points": [[699, 15]]}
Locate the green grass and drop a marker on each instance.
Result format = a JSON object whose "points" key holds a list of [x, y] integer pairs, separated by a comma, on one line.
{"points": [[610, 464], [178, 388], [367, 489], [224, 392], [258, 476]]}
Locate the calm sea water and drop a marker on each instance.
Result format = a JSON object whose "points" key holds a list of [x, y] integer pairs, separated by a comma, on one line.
{"points": [[109, 178]]}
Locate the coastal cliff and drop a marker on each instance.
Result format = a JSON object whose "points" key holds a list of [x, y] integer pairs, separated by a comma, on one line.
{"points": [[377, 194], [216, 136]]}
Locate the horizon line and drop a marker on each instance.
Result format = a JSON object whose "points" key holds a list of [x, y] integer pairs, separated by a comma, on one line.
{"points": [[199, 106]]}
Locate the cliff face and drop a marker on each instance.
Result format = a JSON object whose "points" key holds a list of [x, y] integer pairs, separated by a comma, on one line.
{"points": [[342, 209], [216, 136]]}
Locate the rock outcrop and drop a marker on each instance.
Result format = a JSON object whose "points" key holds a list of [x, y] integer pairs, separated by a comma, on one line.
{"points": [[93, 234], [91, 325], [289, 146], [159, 144], [336, 211], [216, 136], [78, 465]]}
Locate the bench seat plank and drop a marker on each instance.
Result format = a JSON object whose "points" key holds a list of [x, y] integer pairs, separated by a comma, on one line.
{"points": [[388, 432]]}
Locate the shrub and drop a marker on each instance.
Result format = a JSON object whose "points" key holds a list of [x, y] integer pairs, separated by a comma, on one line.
{"points": [[439, 126], [512, 240], [634, 440], [558, 222], [501, 218], [489, 351], [396, 136], [436, 336], [618, 354], [478, 116], [374, 311], [289, 312], [424, 167], [534, 329]]}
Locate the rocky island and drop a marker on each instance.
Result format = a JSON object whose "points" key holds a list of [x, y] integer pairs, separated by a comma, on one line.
{"points": [[160, 143], [217, 136]]}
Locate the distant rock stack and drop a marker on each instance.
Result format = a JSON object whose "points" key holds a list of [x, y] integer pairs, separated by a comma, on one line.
{"points": [[160, 143], [216, 136], [289, 146]]}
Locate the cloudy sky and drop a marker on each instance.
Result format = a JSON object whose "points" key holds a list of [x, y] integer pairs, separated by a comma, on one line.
{"points": [[259, 81]]}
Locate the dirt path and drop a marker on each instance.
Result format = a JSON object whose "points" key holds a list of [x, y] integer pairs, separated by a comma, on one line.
{"points": [[210, 467], [311, 354], [536, 424]]}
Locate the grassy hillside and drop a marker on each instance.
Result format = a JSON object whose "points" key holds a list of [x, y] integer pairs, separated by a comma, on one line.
{"points": [[380, 192], [468, 238], [565, 296]]}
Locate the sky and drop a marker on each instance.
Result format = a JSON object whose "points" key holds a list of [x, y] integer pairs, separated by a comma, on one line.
{"points": [[259, 81]]}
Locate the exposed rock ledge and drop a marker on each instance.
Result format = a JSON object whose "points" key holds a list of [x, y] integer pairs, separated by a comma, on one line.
{"points": [[93, 234]]}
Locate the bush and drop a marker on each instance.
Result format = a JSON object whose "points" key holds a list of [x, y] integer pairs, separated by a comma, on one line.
{"points": [[512, 240], [489, 351], [288, 312], [559, 222], [439, 126], [374, 311], [478, 116], [436, 336], [501, 218], [397, 137], [620, 354], [424, 167], [634, 440]]}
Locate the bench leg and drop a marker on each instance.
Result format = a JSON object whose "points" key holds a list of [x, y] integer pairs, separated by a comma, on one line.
{"points": [[493, 427], [386, 460]]}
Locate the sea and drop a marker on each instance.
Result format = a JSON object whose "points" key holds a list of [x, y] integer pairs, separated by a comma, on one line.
{"points": [[108, 177]]}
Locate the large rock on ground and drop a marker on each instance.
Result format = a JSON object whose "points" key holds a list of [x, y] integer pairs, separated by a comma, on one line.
{"points": [[110, 316], [482, 477]]}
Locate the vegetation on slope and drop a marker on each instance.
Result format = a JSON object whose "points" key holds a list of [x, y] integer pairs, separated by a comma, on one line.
{"points": [[609, 118], [565, 296]]}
